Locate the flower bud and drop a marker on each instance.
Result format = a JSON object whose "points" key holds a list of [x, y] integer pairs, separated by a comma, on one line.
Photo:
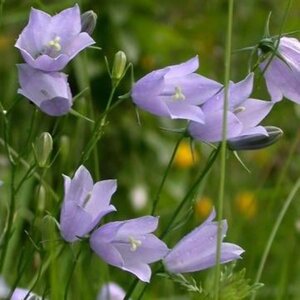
{"points": [[42, 149], [88, 21], [118, 66], [267, 45], [41, 198], [253, 142]]}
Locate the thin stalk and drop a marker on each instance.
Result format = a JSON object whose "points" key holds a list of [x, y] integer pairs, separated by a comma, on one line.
{"points": [[275, 228], [10, 216], [223, 147], [191, 191], [16, 155], [98, 130], [46, 265], [166, 173], [71, 274]]}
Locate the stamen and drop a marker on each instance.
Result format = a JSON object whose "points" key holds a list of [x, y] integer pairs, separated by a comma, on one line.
{"points": [[135, 244], [55, 44], [178, 95]]}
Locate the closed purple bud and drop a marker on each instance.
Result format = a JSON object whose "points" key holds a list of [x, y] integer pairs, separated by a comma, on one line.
{"points": [[243, 115], [175, 91], [130, 245], [197, 250], [111, 291], [49, 43], [282, 74], [256, 141], [85, 203], [49, 91]]}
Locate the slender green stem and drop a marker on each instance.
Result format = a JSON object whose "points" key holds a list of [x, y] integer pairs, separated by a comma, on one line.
{"points": [[71, 274], [223, 147], [191, 191], [131, 288], [16, 155], [9, 223], [166, 173], [98, 130], [275, 228], [46, 265]]}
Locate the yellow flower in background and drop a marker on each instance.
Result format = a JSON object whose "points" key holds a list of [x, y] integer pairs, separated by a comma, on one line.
{"points": [[203, 207], [246, 204], [184, 157], [5, 42]]}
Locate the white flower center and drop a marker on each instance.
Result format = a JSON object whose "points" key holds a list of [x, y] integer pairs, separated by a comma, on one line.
{"points": [[55, 44], [135, 244], [178, 95], [239, 109]]}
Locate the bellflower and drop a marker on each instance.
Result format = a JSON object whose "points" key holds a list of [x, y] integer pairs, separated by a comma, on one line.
{"points": [[20, 294], [197, 250], [175, 91], [84, 204], [111, 291], [282, 74], [129, 245], [49, 91], [49, 43], [243, 115]]}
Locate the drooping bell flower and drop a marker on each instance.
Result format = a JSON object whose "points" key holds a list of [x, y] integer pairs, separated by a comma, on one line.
{"points": [[111, 291], [197, 250], [129, 245], [48, 43], [49, 91], [175, 91], [282, 73], [243, 116], [85, 203]]}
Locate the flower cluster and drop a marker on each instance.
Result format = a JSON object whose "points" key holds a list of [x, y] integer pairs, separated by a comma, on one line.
{"points": [[130, 245], [177, 92], [47, 44]]}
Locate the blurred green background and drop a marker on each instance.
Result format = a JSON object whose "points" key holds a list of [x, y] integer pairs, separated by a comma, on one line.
{"points": [[154, 34]]}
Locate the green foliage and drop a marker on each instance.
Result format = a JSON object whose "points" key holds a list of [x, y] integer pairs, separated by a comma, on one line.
{"points": [[233, 285]]}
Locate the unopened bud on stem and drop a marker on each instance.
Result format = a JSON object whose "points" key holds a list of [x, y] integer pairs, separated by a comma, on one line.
{"points": [[259, 141], [118, 66], [42, 149]]}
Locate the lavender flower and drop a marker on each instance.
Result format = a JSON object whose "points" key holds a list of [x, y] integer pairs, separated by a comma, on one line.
{"points": [[49, 91], [197, 250], [282, 74], [243, 115], [49, 43], [84, 204], [129, 245], [20, 294], [111, 291], [175, 91]]}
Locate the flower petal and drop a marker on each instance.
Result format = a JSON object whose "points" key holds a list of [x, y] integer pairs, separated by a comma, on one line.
{"points": [[74, 221], [182, 110], [211, 131], [253, 112], [183, 69]]}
